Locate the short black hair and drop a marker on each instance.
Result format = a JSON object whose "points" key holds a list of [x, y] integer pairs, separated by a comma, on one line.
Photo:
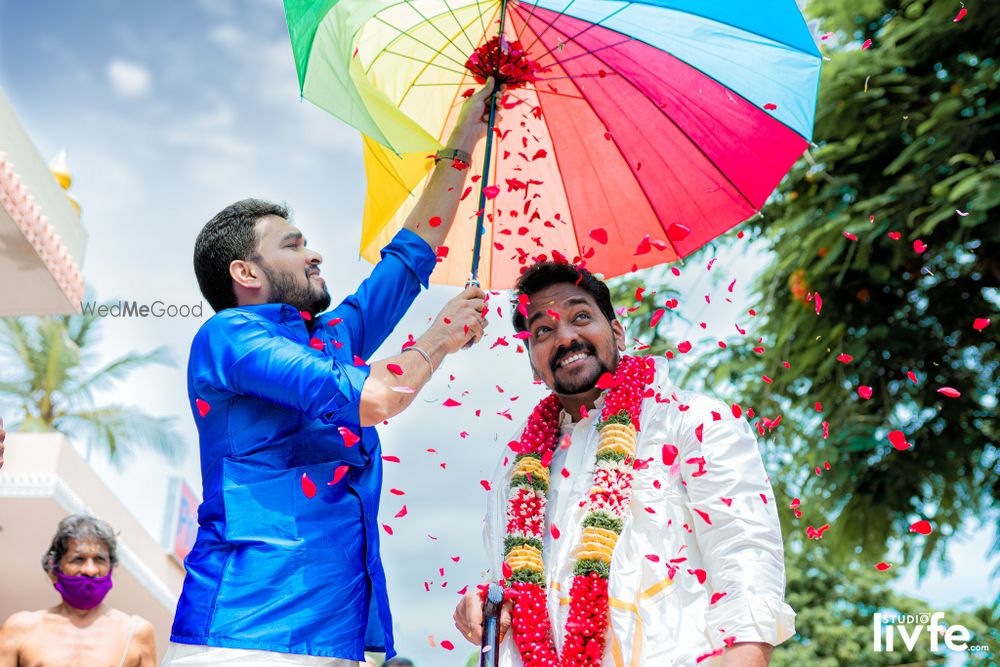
{"points": [[229, 236], [398, 662], [545, 274], [80, 527]]}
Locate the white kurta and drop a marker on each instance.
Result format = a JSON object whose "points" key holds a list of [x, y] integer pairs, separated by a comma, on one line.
{"points": [[657, 619]]}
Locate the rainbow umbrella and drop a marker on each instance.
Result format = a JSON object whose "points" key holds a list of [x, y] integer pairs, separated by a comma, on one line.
{"points": [[629, 133]]}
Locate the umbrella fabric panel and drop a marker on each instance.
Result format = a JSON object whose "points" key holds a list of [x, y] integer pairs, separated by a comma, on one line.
{"points": [[778, 20], [415, 53], [759, 69], [749, 149], [667, 168]]}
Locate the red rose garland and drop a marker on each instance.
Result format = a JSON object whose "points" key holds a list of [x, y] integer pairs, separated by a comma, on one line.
{"points": [[607, 503]]}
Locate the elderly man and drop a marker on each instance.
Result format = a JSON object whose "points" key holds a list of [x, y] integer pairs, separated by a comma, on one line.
{"points": [[286, 566], [81, 631], [633, 523]]}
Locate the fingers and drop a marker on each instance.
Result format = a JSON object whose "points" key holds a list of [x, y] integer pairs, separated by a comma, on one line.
{"points": [[505, 618], [474, 292], [469, 618]]}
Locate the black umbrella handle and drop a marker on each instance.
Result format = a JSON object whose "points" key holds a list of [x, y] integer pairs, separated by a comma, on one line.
{"points": [[489, 655]]}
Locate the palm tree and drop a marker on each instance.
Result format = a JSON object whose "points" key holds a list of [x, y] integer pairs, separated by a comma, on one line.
{"points": [[49, 374]]}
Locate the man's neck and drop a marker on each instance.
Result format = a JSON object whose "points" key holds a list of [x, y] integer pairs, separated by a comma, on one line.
{"points": [[79, 615], [573, 402]]}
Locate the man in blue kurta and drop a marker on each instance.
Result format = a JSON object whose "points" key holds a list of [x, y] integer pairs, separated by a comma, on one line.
{"points": [[286, 566]]}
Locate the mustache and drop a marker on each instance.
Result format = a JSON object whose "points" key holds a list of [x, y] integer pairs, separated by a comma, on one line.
{"points": [[562, 353]]}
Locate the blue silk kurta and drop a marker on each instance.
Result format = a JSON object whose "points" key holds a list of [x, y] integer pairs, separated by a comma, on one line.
{"points": [[272, 569]]}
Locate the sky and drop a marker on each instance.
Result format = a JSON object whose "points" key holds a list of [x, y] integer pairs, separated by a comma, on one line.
{"points": [[171, 111]]}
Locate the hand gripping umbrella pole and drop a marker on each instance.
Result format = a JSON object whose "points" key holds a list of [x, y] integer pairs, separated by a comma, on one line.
{"points": [[489, 655]]}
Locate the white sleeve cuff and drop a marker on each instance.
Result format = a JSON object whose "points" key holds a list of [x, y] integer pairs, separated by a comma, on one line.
{"points": [[750, 619]]}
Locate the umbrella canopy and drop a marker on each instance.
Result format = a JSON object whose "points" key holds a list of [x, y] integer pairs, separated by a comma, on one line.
{"points": [[640, 130]]}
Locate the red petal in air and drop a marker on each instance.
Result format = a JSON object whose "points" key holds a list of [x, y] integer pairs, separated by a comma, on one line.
{"points": [[678, 232], [923, 527], [865, 392], [338, 474], [203, 406], [898, 440], [308, 487], [600, 235], [451, 403], [349, 436], [980, 323], [395, 369], [950, 392]]}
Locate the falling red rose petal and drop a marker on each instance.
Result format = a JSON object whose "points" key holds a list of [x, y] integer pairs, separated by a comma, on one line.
{"points": [[950, 392], [338, 474], [883, 566], [349, 436], [865, 392], [898, 440], [451, 403], [485, 484], [308, 487], [923, 527], [980, 323], [961, 15], [669, 454], [600, 235], [203, 406]]}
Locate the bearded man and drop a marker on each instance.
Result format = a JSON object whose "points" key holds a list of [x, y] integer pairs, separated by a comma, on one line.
{"points": [[633, 523], [286, 568]]}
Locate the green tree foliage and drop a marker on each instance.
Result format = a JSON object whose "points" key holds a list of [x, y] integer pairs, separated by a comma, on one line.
{"points": [[906, 132], [835, 606], [50, 375]]}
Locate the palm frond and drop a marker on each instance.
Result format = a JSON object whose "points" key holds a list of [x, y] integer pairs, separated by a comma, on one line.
{"points": [[117, 370], [123, 430]]}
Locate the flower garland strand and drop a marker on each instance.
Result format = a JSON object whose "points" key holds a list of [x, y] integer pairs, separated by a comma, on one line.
{"points": [[607, 504]]}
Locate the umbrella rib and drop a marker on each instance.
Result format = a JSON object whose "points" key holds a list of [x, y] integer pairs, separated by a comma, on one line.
{"points": [[403, 33], [439, 31], [679, 128], [414, 82], [589, 27], [538, 36], [426, 62], [581, 55], [461, 27], [524, 28]]}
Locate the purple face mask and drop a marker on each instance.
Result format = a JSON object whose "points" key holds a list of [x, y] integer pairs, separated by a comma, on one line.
{"points": [[82, 592]]}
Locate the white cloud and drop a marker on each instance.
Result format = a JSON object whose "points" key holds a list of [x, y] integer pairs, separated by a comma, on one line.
{"points": [[130, 80]]}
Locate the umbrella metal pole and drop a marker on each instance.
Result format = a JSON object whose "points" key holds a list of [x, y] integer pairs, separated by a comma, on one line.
{"points": [[481, 215]]}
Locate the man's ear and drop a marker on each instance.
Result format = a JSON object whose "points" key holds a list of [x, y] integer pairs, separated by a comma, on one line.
{"points": [[619, 332], [245, 274]]}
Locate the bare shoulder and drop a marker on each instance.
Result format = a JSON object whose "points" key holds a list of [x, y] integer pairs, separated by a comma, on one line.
{"points": [[22, 622], [143, 629]]}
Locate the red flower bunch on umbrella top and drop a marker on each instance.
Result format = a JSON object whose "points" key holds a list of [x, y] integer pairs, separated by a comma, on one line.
{"points": [[505, 61]]}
